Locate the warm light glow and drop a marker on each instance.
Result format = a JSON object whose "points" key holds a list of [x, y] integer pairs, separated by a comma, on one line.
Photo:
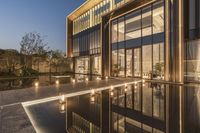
{"points": [[106, 77], [125, 89], [92, 99], [143, 81], [62, 99], [98, 78], [73, 80], [125, 84], [62, 108], [111, 93], [36, 84], [143, 84], [57, 82], [111, 87], [86, 79], [92, 92], [135, 86], [135, 83]]}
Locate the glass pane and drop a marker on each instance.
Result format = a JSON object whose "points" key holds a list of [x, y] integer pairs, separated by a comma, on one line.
{"points": [[158, 101], [96, 67], [137, 62], [114, 63], [121, 29], [133, 21], [121, 97], [157, 131], [146, 21], [137, 97], [147, 100], [158, 17], [158, 61], [193, 60], [121, 128], [129, 55], [114, 98], [147, 129], [82, 66], [133, 34], [147, 61], [121, 62], [129, 97], [114, 121], [114, 31]]}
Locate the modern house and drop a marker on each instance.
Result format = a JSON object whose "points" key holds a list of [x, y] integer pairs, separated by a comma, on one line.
{"points": [[157, 40], [151, 39]]}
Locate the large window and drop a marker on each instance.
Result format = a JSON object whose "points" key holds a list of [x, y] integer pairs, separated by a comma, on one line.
{"points": [[82, 65], [121, 29], [114, 31], [158, 17], [96, 67], [146, 21], [192, 62], [133, 25], [141, 33], [87, 42]]}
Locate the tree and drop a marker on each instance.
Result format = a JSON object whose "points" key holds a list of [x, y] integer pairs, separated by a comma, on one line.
{"points": [[11, 59], [55, 57], [32, 44]]}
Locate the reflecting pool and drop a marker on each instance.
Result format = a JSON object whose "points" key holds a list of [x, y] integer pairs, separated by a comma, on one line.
{"points": [[141, 107]]}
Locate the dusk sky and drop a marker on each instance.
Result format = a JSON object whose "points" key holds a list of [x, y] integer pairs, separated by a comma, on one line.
{"points": [[47, 17]]}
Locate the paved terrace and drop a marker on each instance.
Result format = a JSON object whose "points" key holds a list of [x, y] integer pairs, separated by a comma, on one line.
{"points": [[13, 118]]}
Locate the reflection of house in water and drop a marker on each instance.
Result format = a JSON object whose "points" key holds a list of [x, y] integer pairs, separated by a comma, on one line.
{"points": [[140, 108]]}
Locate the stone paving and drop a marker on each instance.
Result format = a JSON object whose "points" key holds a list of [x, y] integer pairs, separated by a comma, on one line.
{"points": [[13, 118]]}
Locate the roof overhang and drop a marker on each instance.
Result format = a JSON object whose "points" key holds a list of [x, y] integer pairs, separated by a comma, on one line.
{"points": [[83, 8]]}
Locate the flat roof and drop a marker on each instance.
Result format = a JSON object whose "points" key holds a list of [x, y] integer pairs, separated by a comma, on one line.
{"points": [[88, 4]]}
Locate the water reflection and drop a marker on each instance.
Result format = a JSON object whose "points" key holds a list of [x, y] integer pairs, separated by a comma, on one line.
{"points": [[137, 108]]}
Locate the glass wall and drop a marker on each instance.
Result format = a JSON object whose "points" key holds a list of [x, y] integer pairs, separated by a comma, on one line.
{"points": [[133, 25], [96, 66], [147, 61], [129, 63], [122, 124], [87, 42], [141, 34], [82, 125], [121, 62], [92, 17], [82, 65], [137, 62], [192, 62], [147, 98], [158, 61]]}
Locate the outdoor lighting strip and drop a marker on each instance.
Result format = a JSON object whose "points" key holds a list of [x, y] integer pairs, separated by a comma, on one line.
{"points": [[39, 101], [29, 103]]}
